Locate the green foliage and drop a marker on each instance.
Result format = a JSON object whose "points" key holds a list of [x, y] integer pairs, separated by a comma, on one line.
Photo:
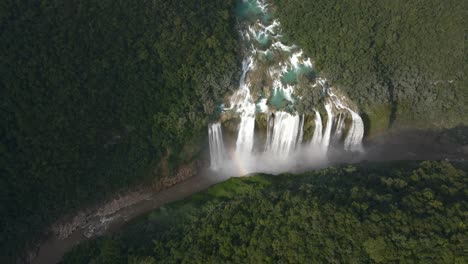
{"points": [[401, 212], [94, 93], [407, 55]]}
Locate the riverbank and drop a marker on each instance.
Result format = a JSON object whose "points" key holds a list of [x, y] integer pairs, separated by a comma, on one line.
{"points": [[371, 212], [54, 248], [111, 216]]}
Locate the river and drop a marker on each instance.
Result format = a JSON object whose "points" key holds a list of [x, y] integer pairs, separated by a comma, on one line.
{"points": [[287, 66], [53, 249], [401, 145]]}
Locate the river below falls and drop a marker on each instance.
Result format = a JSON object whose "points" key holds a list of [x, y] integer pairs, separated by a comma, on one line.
{"points": [[403, 145], [53, 249]]}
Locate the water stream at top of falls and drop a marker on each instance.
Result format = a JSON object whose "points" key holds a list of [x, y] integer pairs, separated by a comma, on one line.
{"points": [[242, 101], [271, 72]]}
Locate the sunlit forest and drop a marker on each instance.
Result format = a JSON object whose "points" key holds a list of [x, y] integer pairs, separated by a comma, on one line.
{"points": [[401, 61], [400, 212], [100, 98]]}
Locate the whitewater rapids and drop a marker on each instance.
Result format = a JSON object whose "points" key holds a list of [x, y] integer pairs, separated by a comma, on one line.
{"points": [[280, 66]]}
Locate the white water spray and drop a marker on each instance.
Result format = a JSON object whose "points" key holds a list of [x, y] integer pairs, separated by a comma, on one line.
{"points": [[353, 141], [274, 69], [317, 137], [217, 150], [286, 131], [244, 104], [301, 132], [328, 128], [339, 127]]}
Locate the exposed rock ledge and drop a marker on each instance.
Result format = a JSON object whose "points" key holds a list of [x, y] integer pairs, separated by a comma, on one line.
{"points": [[95, 221]]}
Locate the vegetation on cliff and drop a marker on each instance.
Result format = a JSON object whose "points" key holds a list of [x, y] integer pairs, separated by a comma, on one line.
{"points": [[399, 212], [95, 93], [401, 61]]}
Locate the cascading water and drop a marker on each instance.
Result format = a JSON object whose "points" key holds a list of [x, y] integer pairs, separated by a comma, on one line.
{"points": [[270, 125], [243, 103], [301, 132], [353, 141], [286, 131], [271, 72], [317, 137], [328, 128], [339, 127], [217, 151], [245, 139]]}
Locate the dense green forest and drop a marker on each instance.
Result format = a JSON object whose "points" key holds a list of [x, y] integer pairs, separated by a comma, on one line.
{"points": [[402, 61], [400, 212], [95, 93], [96, 96]]}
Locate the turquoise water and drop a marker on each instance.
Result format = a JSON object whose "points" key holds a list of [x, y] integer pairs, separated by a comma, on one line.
{"points": [[260, 39], [278, 99], [248, 9], [267, 18], [292, 76], [263, 40], [305, 70]]}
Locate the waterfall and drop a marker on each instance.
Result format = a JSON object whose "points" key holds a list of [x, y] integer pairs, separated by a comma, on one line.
{"points": [[339, 127], [317, 137], [328, 128], [244, 104], [353, 141], [301, 132], [271, 72], [245, 138], [286, 131], [270, 124], [217, 151]]}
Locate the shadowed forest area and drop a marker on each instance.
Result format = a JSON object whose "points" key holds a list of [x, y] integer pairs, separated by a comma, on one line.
{"points": [[95, 93], [97, 97]]}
